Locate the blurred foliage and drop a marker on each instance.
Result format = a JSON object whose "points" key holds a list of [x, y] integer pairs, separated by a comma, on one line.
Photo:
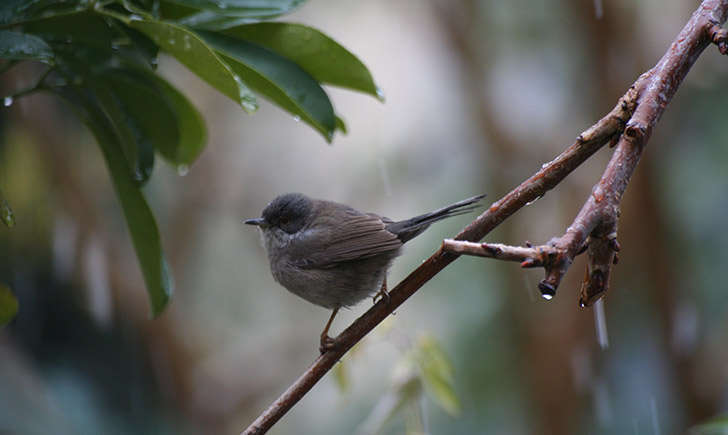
{"points": [[8, 305], [101, 57], [716, 426]]}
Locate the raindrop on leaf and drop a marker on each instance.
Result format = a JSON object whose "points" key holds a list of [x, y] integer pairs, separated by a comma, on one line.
{"points": [[6, 214], [183, 170], [8, 101]]}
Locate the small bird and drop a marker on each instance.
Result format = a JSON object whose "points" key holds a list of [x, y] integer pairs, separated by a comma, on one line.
{"points": [[333, 255]]}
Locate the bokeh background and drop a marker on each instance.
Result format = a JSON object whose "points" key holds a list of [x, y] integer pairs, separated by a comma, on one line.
{"points": [[478, 95]]}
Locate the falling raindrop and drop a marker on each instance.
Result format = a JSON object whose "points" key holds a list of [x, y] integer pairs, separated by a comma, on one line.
{"points": [[384, 175], [655, 420], [600, 323], [8, 101], [183, 170]]}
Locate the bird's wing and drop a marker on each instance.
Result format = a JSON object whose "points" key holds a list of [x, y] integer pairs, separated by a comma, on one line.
{"points": [[358, 236]]}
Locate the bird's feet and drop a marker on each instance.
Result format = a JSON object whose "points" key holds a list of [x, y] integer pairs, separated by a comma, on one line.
{"points": [[327, 344], [382, 293]]}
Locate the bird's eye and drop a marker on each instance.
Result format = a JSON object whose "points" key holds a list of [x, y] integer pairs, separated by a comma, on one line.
{"points": [[284, 220]]}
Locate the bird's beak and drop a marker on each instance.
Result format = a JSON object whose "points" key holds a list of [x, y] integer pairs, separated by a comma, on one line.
{"points": [[257, 221]]}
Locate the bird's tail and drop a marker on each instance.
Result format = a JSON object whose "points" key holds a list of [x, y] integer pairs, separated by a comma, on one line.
{"points": [[408, 229]]}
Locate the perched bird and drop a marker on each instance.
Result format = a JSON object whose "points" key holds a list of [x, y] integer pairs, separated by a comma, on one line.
{"points": [[333, 255]]}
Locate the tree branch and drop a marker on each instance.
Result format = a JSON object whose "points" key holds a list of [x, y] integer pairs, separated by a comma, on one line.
{"points": [[595, 227], [629, 124]]}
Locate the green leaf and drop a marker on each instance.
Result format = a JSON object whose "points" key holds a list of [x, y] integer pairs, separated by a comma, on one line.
{"points": [[279, 79], [8, 305], [167, 119], [207, 20], [319, 55], [341, 125], [18, 11], [192, 131], [341, 376], [15, 45], [196, 55], [242, 8], [86, 42], [139, 218], [6, 213], [125, 118], [437, 374]]}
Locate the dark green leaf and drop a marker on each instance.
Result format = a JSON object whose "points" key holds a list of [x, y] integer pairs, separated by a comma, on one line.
{"points": [[8, 305], [124, 119], [167, 119], [322, 57], [139, 218], [86, 42], [14, 45], [437, 374], [242, 8], [196, 55], [17, 11], [279, 79]]}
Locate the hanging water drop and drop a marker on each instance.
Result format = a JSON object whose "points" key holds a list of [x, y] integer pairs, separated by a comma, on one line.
{"points": [[8, 101], [183, 170], [380, 94], [297, 118], [548, 291]]}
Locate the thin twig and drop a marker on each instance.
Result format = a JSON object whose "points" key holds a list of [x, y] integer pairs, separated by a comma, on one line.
{"points": [[595, 226], [38, 86], [649, 94]]}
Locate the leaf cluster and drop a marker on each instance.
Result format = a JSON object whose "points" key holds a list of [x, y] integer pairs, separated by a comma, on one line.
{"points": [[101, 57]]}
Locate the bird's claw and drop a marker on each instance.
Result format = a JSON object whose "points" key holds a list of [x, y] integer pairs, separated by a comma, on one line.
{"points": [[327, 344], [382, 293]]}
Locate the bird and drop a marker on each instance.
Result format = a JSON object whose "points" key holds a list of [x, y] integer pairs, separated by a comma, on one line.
{"points": [[333, 255]]}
